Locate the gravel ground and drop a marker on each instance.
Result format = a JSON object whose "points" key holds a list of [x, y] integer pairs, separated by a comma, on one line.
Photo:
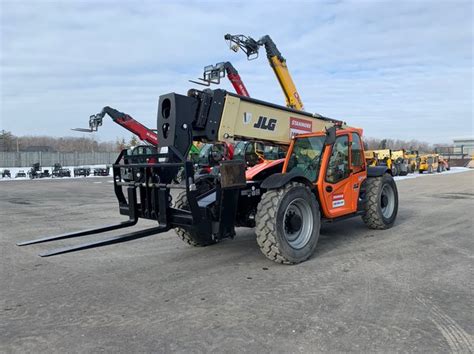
{"points": [[404, 289]]}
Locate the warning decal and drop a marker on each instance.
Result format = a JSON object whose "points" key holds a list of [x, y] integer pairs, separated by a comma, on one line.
{"points": [[337, 200], [300, 126]]}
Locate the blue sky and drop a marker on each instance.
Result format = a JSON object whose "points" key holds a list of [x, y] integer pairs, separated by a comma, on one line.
{"points": [[397, 69]]}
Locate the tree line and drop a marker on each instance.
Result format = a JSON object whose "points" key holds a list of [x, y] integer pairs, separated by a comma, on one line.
{"points": [[398, 144], [10, 142]]}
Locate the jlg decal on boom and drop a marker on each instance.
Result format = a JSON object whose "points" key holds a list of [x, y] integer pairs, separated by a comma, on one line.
{"points": [[265, 123]]}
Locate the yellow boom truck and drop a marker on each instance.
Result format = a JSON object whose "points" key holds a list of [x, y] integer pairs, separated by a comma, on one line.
{"points": [[429, 163], [400, 162], [277, 62], [433, 163], [413, 160], [395, 160], [380, 158], [370, 157]]}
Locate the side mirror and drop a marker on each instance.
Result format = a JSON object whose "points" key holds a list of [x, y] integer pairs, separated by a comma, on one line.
{"points": [[330, 136]]}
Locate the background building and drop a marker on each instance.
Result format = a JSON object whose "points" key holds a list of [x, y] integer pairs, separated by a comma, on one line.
{"points": [[464, 146]]}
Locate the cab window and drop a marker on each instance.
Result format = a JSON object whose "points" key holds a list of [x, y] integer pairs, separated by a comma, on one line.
{"points": [[338, 167], [306, 156], [357, 161]]}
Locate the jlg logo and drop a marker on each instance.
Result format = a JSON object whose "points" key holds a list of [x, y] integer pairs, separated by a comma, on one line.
{"points": [[265, 123]]}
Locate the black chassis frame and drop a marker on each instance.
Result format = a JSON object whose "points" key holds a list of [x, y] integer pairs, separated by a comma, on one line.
{"points": [[212, 204]]}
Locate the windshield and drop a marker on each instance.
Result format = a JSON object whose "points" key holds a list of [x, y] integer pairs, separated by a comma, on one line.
{"points": [[306, 156], [239, 150], [262, 150], [205, 150]]}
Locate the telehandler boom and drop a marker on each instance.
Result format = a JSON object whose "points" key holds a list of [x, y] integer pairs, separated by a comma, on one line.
{"points": [[122, 119], [277, 62], [214, 73], [323, 178]]}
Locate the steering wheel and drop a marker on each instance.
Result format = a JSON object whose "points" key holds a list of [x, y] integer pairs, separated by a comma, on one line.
{"points": [[216, 154]]}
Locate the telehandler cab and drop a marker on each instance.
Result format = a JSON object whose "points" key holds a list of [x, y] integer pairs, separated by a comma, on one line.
{"points": [[323, 178]]}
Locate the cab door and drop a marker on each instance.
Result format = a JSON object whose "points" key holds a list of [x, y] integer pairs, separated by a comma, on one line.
{"points": [[338, 181], [358, 167]]}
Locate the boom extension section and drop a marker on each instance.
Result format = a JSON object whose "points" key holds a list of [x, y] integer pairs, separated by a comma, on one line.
{"points": [[217, 115], [277, 62], [124, 120], [214, 73]]}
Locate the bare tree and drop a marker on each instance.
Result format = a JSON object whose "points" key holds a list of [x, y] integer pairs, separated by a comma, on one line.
{"points": [[7, 141], [10, 142], [133, 141], [120, 144], [397, 144]]}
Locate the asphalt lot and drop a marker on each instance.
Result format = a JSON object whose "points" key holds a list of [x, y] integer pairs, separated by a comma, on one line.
{"points": [[409, 288]]}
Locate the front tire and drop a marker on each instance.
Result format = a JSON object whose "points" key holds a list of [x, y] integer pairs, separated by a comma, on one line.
{"points": [[382, 202], [288, 221]]}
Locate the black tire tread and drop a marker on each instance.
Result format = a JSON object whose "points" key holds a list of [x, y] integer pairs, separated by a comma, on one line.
{"points": [[266, 218], [371, 217], [180, 202]]}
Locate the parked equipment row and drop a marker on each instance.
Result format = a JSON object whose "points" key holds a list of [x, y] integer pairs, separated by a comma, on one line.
{"points": [[57, 171], [403, 162]]}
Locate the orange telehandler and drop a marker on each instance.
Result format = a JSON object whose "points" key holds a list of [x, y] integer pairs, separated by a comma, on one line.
{"points": [[323, 178]]}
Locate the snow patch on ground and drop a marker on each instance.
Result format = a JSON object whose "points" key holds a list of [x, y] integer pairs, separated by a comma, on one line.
{"points": [[418, 175]]}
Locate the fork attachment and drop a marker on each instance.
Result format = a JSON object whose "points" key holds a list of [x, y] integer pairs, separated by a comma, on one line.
{"points": [[88, 232], [108, 241], [133, 219]]}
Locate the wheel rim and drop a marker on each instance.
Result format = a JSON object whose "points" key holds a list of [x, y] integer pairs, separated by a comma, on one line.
{"points": [[298, 223], [387, 201]]}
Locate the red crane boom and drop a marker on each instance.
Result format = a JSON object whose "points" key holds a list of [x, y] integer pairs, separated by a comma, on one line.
{"points": [[212, 74], [124, 120]]}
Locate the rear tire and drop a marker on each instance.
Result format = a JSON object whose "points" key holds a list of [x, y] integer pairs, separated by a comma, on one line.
{"points": [[394, 170], [382, 202], [192, 238], [288, 221]]}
